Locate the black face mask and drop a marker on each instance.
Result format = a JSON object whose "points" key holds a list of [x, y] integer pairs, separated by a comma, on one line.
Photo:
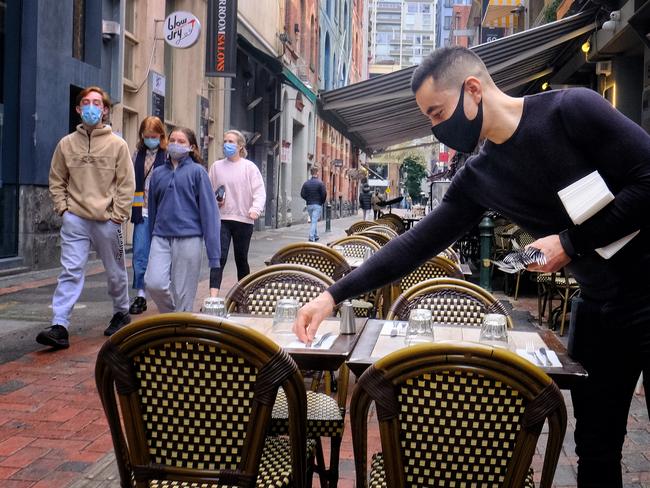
{"points": [[458, 132]]}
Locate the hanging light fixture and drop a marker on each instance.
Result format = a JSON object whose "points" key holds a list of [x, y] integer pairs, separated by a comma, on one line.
{"points": [[586, 46], [545, 85]]}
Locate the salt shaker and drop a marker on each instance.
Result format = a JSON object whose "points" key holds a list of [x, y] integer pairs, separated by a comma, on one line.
{"points": [[348, 324]]}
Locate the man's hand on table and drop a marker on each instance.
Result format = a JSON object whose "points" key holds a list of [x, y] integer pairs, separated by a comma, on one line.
{"points": [[311, 315], [556, 258]]}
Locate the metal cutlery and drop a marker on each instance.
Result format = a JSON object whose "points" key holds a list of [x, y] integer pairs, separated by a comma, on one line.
{"points": [[530, 350], [542, 351], [321, 340]]}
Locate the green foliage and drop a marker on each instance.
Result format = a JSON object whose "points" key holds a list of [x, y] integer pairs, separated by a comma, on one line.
{"points": [[414, 171], [550, 12]]}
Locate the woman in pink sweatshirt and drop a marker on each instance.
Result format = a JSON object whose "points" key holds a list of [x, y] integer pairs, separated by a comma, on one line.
{"points": [[241, 196]]}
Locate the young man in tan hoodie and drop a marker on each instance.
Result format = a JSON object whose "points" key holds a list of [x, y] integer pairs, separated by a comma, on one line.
{"points": [[91, 184]]}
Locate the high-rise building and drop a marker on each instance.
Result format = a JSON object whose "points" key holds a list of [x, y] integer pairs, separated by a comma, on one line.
{"points": [[447, 21], [401, 33]]}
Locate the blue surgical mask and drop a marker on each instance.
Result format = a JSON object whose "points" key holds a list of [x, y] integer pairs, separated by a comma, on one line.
{"points": [[152, 142], [177, 151], [229, 149], [91, 115]]}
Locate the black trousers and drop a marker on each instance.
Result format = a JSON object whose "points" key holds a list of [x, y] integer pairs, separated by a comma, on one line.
{"points": [[241, 234], [612, 341]]}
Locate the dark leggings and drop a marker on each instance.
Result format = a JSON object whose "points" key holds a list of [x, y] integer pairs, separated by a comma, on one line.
{"points": [[241, 234], [613, 343]]}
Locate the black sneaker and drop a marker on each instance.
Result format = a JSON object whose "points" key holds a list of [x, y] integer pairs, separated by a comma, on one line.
{"points": [[119, 320], [55, 336], [138, 306]]}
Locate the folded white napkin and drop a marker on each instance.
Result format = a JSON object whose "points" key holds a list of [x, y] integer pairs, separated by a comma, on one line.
{"points": [[551, 356], [326, 344], [584, 199]]}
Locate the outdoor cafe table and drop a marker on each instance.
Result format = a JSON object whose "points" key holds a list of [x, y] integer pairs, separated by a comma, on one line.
{"points": [[365, 353], [320, 359]]}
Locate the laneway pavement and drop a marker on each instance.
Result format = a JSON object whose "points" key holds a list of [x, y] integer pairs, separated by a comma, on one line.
{"points": [[53, 432]]}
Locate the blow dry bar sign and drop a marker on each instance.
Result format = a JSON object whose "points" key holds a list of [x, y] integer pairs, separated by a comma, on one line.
{"points": [[221, 49]]}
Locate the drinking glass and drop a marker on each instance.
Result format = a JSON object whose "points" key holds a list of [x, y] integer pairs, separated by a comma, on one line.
{"points": [[215, 306], [419, 328], [494, 330], [367, 253], [286, 310]]}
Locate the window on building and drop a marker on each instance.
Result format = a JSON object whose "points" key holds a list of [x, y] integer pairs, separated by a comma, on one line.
{"points": [[410, 19], [78, 29], [130, 126], [447, 23], [129, 48], [425, 8], [412, 8], [129, 16]]}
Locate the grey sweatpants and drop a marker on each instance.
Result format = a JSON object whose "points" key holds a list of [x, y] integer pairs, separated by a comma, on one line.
{"points": [[77, 236], [173, 272]]}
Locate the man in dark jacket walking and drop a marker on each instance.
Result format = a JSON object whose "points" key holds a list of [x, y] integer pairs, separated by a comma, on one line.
{"points": [[314, 193], [365, 200]]}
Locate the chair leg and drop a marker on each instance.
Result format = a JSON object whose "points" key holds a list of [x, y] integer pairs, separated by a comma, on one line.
{"points": [[564, 307], [320, 464], [335, 450], [517, 286]]}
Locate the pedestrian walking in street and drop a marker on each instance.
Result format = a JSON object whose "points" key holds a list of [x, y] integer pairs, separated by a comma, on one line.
{"points": [[150, 153], [182, 213], [518, 175], [314, 193], [365, 200], [91, 185], [375, 200], [240, 192]]}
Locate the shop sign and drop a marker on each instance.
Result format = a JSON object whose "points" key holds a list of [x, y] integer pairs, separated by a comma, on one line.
{"points": [[221, 44], [181, 29]]}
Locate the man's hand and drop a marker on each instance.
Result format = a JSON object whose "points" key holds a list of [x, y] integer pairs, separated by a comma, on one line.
{"points": [[252, 214], [556, 258], [311, 315]]}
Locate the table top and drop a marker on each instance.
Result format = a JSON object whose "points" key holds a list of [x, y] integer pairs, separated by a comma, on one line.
{"points": [[308, 358], [371, 346]]}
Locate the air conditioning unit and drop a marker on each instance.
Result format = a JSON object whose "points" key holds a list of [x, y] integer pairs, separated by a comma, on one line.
{"points": [[604, 68]]}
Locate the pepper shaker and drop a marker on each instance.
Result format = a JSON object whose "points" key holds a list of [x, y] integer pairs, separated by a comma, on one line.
{"points": [[348, 324]]}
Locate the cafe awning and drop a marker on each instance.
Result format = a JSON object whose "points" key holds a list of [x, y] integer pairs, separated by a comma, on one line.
{"points": [[499, 13], [381, 112]]}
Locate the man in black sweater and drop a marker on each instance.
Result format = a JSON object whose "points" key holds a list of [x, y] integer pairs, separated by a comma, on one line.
{"points": [[314, 193], [536, 146]]}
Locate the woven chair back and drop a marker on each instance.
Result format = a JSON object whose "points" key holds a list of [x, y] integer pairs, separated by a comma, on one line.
{"points": [[355, 246], [395, 219], [451, 254], [456, 414], [379, 238], [258, 292], [189, 397], [313, 255], [436, 267], [382, 229], [451, 301], [359, 226]]}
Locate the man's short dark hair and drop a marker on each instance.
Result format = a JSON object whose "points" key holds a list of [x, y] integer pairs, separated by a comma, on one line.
{"points": [[449, 65], [314, 171]]}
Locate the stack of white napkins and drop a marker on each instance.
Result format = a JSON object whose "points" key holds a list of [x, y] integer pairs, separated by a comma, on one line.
{"points": [[585, 198]]}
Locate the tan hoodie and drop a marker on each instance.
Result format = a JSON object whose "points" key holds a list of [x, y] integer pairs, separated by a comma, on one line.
{"points": [[92, 175]]}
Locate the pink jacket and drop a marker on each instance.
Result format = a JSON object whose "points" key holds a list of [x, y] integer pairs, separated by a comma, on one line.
{"points": [[244, 188]]}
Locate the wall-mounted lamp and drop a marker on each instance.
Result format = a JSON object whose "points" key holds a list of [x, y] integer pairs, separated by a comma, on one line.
{"points": [[586, 46], [545, 85], [254, 103], [612, 23]]}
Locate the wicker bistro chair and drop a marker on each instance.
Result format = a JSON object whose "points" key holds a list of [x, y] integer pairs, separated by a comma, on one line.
{"points": [[555, 285], [451, 301], [379, 238], [188, 400], [454, 414], [257, 294], [436, 267], [382, 229], [395, 219], [520, 239], [355, 246], [451, 254], [359, 226], [314, 255]]}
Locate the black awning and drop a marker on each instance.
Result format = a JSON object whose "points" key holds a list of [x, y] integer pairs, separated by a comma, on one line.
{"points": [[380, 112]]}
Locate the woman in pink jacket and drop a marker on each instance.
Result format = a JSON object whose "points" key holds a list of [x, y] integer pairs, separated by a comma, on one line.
{"points": [[241, 196]]}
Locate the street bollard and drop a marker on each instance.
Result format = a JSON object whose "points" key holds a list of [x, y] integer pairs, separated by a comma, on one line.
{"points": [[328, 217], [486, 233]]}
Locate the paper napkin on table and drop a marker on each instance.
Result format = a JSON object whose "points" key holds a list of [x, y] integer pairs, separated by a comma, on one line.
{"points": [[584, 199], [326, 344], [555, 361]]}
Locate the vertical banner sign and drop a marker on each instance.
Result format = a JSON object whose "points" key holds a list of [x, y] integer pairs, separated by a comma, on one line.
{"points": [[221, 48], [157, 90]]}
